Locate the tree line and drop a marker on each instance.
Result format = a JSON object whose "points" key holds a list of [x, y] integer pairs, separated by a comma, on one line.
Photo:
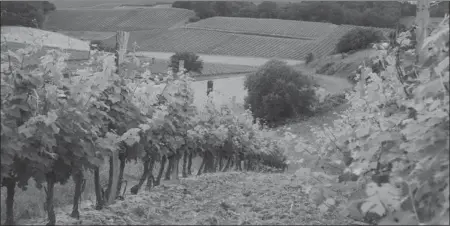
{"points": [[25, 13], [371, 13]]}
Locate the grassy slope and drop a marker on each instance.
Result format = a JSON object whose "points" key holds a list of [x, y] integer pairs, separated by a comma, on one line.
{"points": [[99, 4], [115, 19], [285, 28], [341, 67]]}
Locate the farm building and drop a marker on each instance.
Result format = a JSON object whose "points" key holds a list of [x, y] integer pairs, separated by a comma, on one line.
{"points": [[16, 37]]}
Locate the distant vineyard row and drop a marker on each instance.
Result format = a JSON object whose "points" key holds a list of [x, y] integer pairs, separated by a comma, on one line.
{"points": [[115, 19], [219, 43], [275, 27], [223, 43]]}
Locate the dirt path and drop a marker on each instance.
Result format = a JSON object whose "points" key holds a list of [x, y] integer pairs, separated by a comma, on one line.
{"points": [[234, 60], [331, 84], [232, 198]]}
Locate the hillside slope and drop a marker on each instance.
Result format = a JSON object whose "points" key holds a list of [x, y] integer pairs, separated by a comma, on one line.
{"points": [[115, 19], [214, 199], [274, 27]]}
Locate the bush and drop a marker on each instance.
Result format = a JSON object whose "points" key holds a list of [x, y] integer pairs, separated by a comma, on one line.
{"points": [[309, 58], [359, 38], [101, 46], [193, 19], [192, 63], [277, 92]]}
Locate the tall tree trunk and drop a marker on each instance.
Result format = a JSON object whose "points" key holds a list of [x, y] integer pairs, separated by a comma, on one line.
{"points": [[122, 158], [151, 179], [78, 178], [98, 190], [170, 167], [135, 189], [161, 171], [10, 184], [49, 199], [185, 159], [189, 166]]}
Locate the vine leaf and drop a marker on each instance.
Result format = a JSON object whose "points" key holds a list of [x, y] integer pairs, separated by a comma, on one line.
{"points": [[399, 218], [131, 136], [380, 198], [363, 131]]}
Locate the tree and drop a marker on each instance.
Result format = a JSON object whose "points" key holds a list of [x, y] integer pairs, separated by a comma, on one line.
{"points": [[192, 63], [222, 8], [358, 38], [268, 9], [277, 92], [25, 13], [372, 13]]}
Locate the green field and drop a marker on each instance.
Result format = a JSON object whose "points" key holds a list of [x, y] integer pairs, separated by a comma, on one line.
{"points": [[115, 19], [102, 4]]}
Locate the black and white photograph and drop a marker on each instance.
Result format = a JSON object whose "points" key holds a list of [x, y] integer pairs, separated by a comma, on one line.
{"points": [[251, 112]]}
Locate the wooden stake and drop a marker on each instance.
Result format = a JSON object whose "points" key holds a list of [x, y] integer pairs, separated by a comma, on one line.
{"points": [[122, 38], [422, 21], [181, 65]]}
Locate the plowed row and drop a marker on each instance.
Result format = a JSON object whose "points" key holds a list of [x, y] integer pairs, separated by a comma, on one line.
{"points": [[198, 41], [276, 27], [115, 19], [219, 43], [231, 44]]}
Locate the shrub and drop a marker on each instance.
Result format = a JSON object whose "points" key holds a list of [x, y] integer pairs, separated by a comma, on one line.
{"points": [[309, 58], [193, 19], [277, 92], [192, 63], [101, 46], [359, 38]]}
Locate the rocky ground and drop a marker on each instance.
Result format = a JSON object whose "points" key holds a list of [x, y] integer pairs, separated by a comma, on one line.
{"points": [[234, 198]]}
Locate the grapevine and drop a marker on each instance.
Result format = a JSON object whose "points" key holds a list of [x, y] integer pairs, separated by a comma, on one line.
{"points": [[396, 131], [57, 124]]}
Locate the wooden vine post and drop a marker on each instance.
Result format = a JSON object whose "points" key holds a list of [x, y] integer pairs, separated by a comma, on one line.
{"points": [[181, 65], [122, 38], [209, 87], [121, 49], [422, 22], [175, 171]]}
